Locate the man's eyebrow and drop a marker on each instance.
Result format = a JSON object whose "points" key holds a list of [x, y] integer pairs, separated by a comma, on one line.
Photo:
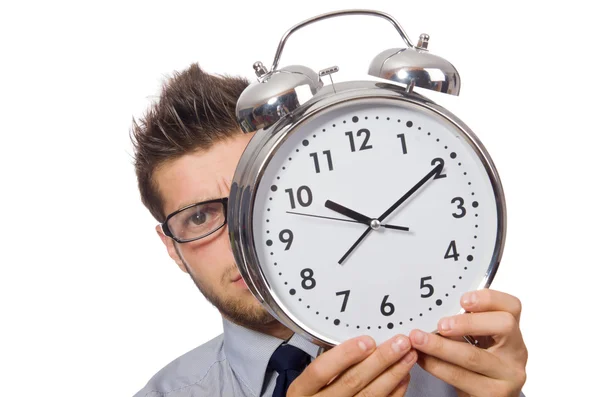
{"points": [[199, 200]]}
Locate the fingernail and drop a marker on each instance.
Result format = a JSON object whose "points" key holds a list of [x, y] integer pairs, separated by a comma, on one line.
{"points": [[445, 324], [366, 344], [419, 337], [409, 357], [400, 344], [469, 299]]}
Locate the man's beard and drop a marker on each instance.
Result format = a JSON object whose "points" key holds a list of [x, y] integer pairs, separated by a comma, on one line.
{"points": [[234, 309]]}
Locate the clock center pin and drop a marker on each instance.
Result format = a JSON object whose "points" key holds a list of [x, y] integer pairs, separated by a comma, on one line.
{"points": [[375, 224]]}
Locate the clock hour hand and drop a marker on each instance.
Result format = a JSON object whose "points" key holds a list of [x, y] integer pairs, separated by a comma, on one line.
{"points": [[371, 222]]}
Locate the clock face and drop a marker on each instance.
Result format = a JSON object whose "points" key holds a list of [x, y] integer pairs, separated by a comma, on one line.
{"points": [[374, 218]]}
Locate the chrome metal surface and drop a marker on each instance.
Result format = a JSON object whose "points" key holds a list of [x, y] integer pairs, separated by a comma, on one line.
{"points": [[328, 15], [275, 95], [375, 224], [416, 67], [261, 150], [423, 41], [328, 71], [259, 69]]}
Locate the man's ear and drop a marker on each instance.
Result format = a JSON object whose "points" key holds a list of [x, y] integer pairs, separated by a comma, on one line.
{"points": [[168, 242]]}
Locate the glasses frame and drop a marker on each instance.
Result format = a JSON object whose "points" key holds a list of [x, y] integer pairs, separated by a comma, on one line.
{"points": [[168, 233]]}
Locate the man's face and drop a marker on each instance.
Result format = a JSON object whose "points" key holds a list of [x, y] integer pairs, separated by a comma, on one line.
{"points": [[201, 176]]}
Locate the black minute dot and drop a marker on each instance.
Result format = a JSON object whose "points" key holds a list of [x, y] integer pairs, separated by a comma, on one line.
{"points": [[419, 128], [355, 119], [334, 125], [305, 142], [437, 140], [326, 318], [438, 302], [429, 133], [410, 319], [366, 118], [460, 277], [446, 294], [379, 327], [297, 150], [290, 159]]}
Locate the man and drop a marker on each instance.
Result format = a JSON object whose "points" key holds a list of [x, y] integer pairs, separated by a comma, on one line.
{"points": [[186, 149]]}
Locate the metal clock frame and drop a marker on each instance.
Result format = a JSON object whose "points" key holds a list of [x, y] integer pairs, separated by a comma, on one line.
{"points": [[263, 147]]}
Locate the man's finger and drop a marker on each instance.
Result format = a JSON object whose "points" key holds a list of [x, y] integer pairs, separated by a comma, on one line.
{"points": [[460, 354], [362, 374], [459, 377], [480, 324], [393, 379], [330, 364], [400, 390], [487, 300]]}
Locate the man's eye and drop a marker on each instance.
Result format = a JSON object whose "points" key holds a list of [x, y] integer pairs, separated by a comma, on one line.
{"points": [[197, 219]]}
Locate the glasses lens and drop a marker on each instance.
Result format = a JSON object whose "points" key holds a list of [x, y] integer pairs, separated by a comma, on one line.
{"points": [[197, 221]]}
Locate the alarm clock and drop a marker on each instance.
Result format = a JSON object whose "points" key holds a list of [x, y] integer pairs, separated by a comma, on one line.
{"points": [[362, 207]]}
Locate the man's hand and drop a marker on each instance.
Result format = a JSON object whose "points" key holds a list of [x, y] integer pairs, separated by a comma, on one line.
{"points": [[357, 368], [497, 369]]}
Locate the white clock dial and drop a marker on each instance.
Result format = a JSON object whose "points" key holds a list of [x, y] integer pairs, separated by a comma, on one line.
{"points": [[410, 268]]}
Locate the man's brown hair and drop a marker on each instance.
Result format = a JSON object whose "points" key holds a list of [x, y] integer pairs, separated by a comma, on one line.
{"points": [[195, 110]]}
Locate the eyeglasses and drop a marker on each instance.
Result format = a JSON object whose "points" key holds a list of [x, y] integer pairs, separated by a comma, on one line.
{"points": [[196, 221]]}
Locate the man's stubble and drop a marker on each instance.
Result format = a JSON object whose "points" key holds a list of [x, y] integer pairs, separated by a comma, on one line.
{"points": [[235, 309]]}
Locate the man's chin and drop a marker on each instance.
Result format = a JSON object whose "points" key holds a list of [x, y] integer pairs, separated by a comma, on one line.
{"points": [[247, 314]]}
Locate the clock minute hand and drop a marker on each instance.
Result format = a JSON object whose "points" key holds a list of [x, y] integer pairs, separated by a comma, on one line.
{"points": [[437, 169], [402, 199]]}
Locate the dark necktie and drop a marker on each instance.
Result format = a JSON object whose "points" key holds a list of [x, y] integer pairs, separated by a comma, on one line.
{"points": [[289, 362]]}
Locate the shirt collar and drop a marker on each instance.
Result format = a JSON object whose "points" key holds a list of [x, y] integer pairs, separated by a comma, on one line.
{"points": [[248, 352]]}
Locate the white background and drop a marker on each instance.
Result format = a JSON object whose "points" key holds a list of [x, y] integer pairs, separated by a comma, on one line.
{"points": [[90, 303]]}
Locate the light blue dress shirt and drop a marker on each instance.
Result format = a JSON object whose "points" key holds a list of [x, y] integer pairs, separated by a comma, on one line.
{"points": [[235, 364]]}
